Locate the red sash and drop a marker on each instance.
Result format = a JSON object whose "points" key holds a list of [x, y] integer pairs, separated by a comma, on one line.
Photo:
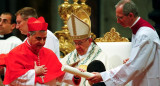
{"points": [[141, 23]]}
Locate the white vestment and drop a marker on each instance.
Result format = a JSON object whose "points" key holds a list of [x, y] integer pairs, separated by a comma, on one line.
{"points": [[75, 60], [143, 67], [52, 43], [30, 77], [8, 44]]}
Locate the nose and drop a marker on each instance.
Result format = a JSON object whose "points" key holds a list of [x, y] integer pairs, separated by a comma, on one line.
{"points": [[1, 22], [77, 46], [42, 41]]}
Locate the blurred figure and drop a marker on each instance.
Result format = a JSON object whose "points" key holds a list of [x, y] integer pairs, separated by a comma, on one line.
{"points": [[22, 16], [143, 66], [7, 40]]}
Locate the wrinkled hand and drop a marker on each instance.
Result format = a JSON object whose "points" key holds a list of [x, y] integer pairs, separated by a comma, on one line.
{"points": [[22, 80], [82, 70], [40, 70], [76, 76], [124, 61], [96, 78]]}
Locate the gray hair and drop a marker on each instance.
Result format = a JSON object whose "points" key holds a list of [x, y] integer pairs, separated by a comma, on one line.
{"points": [[27, 12], [34, 32], [128, 7]]}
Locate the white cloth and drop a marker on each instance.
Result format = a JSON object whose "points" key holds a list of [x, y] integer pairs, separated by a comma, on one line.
{"points": [[30, 77], [116, 52], [8, 44], [143, 67], [52, 43]]}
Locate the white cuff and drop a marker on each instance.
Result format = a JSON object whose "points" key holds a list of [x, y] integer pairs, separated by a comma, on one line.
{"points": [[105, 75]]}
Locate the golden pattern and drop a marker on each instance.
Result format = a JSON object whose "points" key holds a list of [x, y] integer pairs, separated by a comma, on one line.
{"points": [[65, 10], [112, 36], [65, 42]]}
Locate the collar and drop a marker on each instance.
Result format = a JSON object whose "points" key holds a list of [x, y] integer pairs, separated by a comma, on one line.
{"points": [[135, 22], [140, 23], [2, 37], [89, 49]]}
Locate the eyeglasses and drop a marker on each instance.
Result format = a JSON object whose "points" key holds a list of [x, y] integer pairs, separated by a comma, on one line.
{"points": [[5, 21], [80, 42], [120, 17]]}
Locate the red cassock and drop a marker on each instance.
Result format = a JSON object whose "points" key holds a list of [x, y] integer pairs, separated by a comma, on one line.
{"points": [[21, 59], [2, 59], [141, 23]]}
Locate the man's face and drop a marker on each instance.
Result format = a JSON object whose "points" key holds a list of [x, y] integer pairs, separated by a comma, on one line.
{"points": [[123, 20], [22, 24], [82, 46], [37, 40], [5, 24]]}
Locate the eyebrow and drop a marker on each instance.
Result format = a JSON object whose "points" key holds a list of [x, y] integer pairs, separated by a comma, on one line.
{"points": [[4, 19]]}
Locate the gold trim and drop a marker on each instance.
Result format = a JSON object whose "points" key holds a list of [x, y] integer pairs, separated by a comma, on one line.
{"points": [[80, 37], [81, 21], [112, 36], [73, 25]]}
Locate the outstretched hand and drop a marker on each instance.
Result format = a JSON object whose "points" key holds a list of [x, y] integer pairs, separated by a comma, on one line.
{"points": [[125, 60], [40, 70], [96, 78]]}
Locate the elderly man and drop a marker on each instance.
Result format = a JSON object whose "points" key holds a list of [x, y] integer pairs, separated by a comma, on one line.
{"points": [[143, 66], [30, 63], [22, 16], [86, 51]]}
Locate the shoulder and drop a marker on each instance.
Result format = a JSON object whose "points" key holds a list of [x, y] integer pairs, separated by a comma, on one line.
{"points": [[47, 50], [14, 39], [18, 49], [146, 33], [51, 36]]}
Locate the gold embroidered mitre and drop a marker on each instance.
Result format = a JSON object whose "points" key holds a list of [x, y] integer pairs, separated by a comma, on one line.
{"points": [[79, 25]]}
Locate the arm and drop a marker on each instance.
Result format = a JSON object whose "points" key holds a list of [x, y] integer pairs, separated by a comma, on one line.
{"points": [[69, 78], [141, 59], [29, 77], [25, 80]]}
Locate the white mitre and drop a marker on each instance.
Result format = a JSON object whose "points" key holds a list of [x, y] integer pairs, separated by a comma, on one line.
{"points": [[79, 25]]}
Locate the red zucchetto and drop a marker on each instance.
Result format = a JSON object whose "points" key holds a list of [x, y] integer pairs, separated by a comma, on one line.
{"points": [[37, 24]]}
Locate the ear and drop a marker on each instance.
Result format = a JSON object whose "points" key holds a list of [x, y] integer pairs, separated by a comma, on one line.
{"points": [[13, 26], [131, 15]]}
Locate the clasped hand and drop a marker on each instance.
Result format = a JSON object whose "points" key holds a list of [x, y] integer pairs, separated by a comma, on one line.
{"points": [[40, 70]]}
